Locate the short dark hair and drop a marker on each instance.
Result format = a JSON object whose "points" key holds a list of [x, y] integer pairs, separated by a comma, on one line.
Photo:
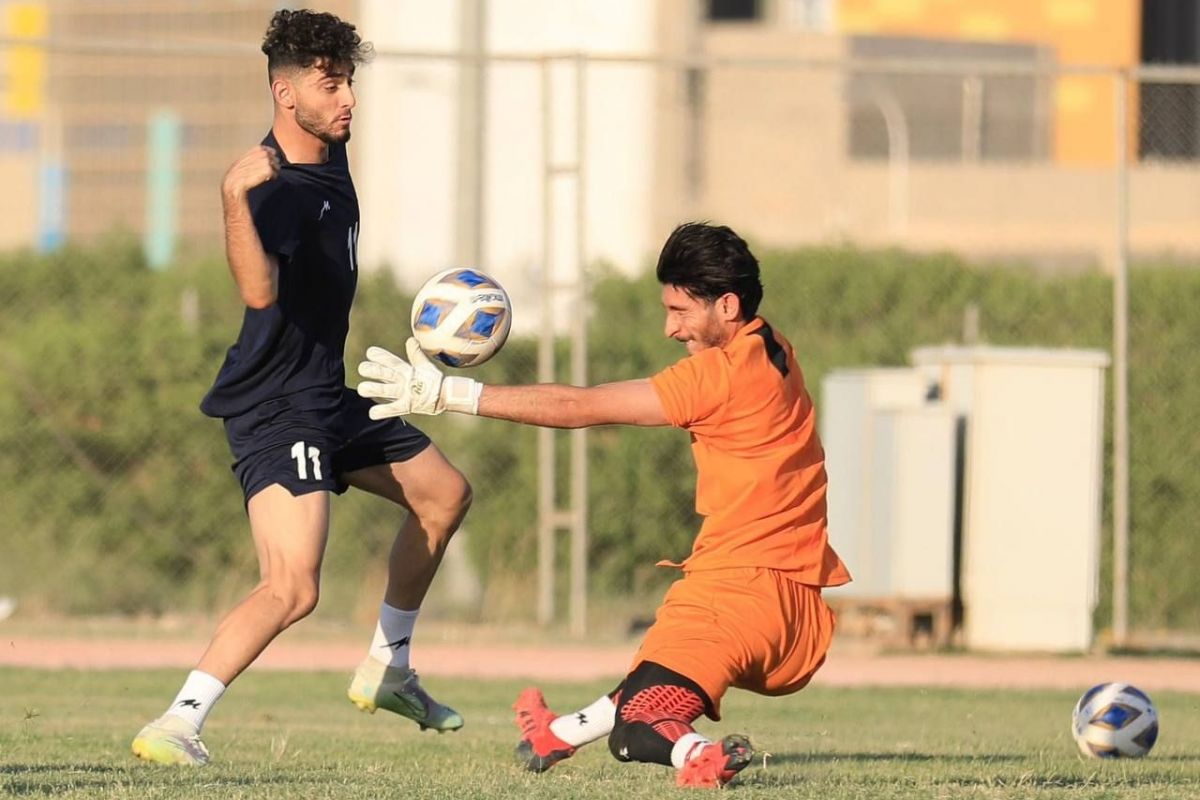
{"points": [[303, 38], [707, 261]]}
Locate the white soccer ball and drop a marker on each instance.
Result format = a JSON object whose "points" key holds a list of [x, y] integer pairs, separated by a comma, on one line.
{"points": [[461, 317], [1114, 720]]}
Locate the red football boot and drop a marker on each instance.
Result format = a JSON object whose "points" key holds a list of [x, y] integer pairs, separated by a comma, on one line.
{"points": [[539, 749], [717, 764]]}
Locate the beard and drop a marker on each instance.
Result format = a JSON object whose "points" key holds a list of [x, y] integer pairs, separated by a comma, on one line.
{"points": [[712, 334], [312, 123]]}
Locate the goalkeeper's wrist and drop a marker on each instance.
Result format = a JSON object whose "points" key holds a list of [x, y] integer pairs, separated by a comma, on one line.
{"points": [[461, 394]]}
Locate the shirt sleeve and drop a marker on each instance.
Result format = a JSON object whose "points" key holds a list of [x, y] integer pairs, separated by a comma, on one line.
{"points": [[694, 390], [276, 217]]}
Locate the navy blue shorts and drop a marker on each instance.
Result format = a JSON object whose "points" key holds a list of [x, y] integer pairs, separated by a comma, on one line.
{"points": [[310, 450]]}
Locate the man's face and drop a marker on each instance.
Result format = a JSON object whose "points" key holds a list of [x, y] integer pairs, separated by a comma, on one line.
{"points": [[692, 321], [325, 100]]}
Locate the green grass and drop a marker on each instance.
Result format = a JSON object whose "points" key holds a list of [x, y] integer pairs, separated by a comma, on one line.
{"points": [[293, 735]]}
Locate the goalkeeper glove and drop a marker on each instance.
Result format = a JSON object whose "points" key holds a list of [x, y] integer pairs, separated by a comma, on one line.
{"points": [[415, 386]]}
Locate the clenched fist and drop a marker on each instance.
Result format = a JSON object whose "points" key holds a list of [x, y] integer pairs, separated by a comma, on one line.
{"points": [[259, 165]]}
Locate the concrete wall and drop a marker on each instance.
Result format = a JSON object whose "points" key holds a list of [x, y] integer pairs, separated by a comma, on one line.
{"points": [[414, 138], [775, 164], [19, 214]]}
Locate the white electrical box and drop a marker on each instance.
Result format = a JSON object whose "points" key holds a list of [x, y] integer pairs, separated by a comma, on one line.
{"points": [[889, 454], [1031, 491], [914, 496]]}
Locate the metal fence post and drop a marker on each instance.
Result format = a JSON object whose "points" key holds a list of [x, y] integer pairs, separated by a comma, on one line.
{"points": [[1120, 468], [579, 323]]}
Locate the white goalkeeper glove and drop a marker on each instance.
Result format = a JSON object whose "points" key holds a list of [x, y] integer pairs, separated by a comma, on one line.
{"points": [[415, 386]]}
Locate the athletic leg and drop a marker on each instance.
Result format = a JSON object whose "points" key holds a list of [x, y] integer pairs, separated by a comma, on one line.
{"points": [[437, 497], [655, 711], [289, 533], [654, 724], [547, 738], [289, 536]]}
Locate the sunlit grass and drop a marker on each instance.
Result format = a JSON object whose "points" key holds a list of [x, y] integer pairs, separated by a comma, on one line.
{"points": [[293, 735]]}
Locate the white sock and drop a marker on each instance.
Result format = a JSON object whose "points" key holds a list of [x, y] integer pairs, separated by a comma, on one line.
{"points": [[199, 694], [393, 636], [586, 724], [688, 745]]}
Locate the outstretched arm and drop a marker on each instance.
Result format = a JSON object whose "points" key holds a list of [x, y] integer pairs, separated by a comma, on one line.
{"points": [[417, 386], [556, 406]]}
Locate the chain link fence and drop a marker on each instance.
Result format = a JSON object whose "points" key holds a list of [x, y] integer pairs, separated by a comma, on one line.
{"points": [[898, 196]]}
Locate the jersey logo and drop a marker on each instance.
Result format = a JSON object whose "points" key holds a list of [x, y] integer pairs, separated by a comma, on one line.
{"points": [[352, 245], [774, 351], [324, 208]]}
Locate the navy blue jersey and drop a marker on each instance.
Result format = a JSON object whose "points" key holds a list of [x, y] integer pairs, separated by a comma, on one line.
{"points": [[308, 218]]}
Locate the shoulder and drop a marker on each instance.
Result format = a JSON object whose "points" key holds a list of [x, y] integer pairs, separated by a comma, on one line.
{"points": [[761, 335], [763, 356], [711, 361], [694, 388], [275, 196], [338, 156]]}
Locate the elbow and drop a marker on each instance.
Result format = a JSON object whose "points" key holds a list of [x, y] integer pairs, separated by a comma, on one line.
{"points": [[578, 414], [259, 300]]}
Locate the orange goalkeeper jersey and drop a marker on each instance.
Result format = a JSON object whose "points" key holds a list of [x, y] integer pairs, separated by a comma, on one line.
{"points": [[761, 482]]}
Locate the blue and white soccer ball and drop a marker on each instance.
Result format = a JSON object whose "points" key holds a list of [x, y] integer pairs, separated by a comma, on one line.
{"points": [[461, 317], [1115, 720]]}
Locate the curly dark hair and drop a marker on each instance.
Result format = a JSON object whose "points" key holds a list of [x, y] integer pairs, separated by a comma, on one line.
{"points": [[302, 38]]}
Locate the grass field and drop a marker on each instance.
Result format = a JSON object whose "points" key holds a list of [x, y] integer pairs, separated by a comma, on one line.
{"points": [[293, 735]]}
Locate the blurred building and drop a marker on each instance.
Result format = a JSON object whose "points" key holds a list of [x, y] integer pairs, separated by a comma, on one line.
{"points": [[22, 103], [1073, 32], [529, 167], [1111, 33], [990, 129], [126, 83], [538, 135]]}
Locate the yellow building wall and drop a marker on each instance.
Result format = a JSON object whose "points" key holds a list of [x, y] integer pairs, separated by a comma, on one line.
{"points": [[24, 66], [22, 101], [1083, 32]]}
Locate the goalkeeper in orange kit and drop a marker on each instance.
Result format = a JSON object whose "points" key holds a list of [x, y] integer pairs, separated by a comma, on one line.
{"points": [[748, 611]]}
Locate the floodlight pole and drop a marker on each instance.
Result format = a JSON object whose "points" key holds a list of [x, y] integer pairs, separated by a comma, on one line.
{"points": [[579, 376], [472, 133], [1120, 468], [546, 500], [550, 517]]}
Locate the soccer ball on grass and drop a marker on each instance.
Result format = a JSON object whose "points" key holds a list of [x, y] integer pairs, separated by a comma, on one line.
{"points": [[461, 317], [1114, 720]]}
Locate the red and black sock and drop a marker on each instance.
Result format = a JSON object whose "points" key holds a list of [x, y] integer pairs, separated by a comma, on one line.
{"points": [[655, 708]]}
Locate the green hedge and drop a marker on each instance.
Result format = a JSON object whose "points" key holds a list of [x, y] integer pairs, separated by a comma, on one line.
{"points": [[117, 493]]}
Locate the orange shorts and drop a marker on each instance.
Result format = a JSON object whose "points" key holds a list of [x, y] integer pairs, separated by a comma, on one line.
{"points": [[749, 627]]}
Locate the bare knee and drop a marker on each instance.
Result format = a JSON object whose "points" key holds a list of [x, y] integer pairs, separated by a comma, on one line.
{"points": [[295, 596], [440, 514], [466, 495]]}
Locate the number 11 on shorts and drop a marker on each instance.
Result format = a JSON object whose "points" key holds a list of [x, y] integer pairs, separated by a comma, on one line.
{"points": [[299, 451]]}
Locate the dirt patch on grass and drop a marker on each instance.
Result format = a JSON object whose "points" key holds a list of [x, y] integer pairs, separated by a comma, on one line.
{"points": [[847, 665]]}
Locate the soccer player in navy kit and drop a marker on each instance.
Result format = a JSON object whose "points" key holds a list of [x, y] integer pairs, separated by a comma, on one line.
{"points": [[297, 433]]}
